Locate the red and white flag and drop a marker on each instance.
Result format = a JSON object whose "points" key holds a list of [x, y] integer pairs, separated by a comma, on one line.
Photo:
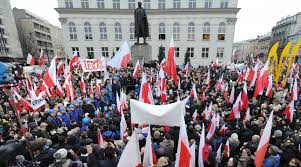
{"points": [[219, 84], [100, 140], [59, 89], [211, 130], [60, 67], [193, 93], [183, 156], [227, 150], [171, 66], [97, 89], [269, 92], [244, 97], [253, 75], [294, 95], [50, 76], [163, 63], [130, 156], [262, 81], [74, 61], [264, 142], [235, 112], [223, 129], [187, 69], [208, 77], [25, 103], [146, 95], [289, 111], [149, 158], [195, 115], [232, 95], [201, 147], [122, 57], [123, 128], [42, 58], [30, 60], [192, 153], [137, 69], [83, 85], [118, 104], [219, 154], [203, 96]]}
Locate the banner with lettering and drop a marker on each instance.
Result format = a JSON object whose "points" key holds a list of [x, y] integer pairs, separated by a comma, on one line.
{"points": [[91, 65], [37, 102]]}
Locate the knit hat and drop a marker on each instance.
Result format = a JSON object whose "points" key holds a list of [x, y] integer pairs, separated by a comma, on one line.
{"points": [[86, 121], [278, 133], [60, 154], [51, 111], [275, 150]]}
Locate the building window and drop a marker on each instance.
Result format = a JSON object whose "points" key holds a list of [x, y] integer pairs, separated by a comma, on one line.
{"points": [[221, 31], [90, 52], [105, 51], [68, 4], [161, 31], [100, 4], [161, 4], [147, 4], [177, 51], [176, 31], [72, 31], [103, 31], [191, 31], [132, 4], [75, 50], [206, 31], [132, 31], [88, 31], [116, 4], [208, 3], [205, 52], [224, 4], [85, 3], [118, 31], [190, 52], [220, 52], [177, 4], [192, 4]]}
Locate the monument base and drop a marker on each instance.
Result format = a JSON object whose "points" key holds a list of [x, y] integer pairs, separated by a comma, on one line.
{"points": [[141, 51]]}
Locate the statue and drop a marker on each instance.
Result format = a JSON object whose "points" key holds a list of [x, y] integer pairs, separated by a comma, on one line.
{"points": [[141, 24]]}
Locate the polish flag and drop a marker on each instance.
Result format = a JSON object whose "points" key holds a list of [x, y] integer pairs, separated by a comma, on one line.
{"points": [[163, 91], [187, 69], [74, 61], [223, 129], [244, 97], [123, 99], [59, 89], [171, 66], [227, 150], [264, 142], [44, 88], [253, 76], [192, 153], [205, 113], [122, 57], [30, 60], [25, 103], [219, 154], [123, 128], [137, 69], [294, 95], [183, 156], [149, 158], [50, 76], [163, 63], [60, 67], [130, 156], [232, 95], [36, 90], [201, 147], [235, 113], [193, 92], [211, 130], [289, 111], [247, 115], [42, 58], [269, 92], [262, 81], [118, 104], [97, 89], [219, 83], [146, 95], [19, 109], [83, 85], [208, 77], [203, 96], [100, 140], [195, 115], [70, 91]]}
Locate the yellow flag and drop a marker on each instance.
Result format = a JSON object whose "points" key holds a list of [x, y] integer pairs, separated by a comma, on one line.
{"points": [[291, 60], [283, 57], [274, 58]]}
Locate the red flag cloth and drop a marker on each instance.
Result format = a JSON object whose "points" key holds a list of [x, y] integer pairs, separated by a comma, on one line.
{"points": [[171, 67], [30, 60], [137, 69], [42, 58], [50, 76], [74, 61]]}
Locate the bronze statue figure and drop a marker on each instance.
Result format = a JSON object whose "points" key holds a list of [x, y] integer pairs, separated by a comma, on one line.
{"points": [[141, 24]]}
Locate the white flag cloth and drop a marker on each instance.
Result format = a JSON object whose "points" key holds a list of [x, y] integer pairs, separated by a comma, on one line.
{"points": [[183, 155], [201, 147], [192, 153], [231, 100], [122, 57], [164, 115], [148, 158], [131, 154], [219, 154]]}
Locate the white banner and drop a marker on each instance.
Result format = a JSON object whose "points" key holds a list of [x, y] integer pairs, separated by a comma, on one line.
{"points": [[37, 102], [164, 115], [91, 65]]}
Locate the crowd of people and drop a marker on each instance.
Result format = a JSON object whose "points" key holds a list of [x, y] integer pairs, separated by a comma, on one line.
{"points": [[64, 133]]}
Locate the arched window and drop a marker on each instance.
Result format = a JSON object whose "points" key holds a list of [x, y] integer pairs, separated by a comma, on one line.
{"points": [[88, 31], [206, 31], [132, 31], [176, 31], [118, 31], [72, 31], [191, 31], [103, 31], [222, 31], [161, 31]]}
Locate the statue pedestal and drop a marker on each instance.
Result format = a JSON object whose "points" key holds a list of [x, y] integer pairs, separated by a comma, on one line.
{"points": [[141, 51]]}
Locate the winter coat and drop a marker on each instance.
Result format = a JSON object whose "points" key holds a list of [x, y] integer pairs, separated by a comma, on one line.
{"points": [[65, 118], [272, 161], [63, 163], [168, 146]]}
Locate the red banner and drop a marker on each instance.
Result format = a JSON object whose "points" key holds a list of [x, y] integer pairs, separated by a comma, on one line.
{"points": [[90, 65]]}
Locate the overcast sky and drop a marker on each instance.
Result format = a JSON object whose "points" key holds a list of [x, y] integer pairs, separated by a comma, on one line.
{"points": [[256, 17]]}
